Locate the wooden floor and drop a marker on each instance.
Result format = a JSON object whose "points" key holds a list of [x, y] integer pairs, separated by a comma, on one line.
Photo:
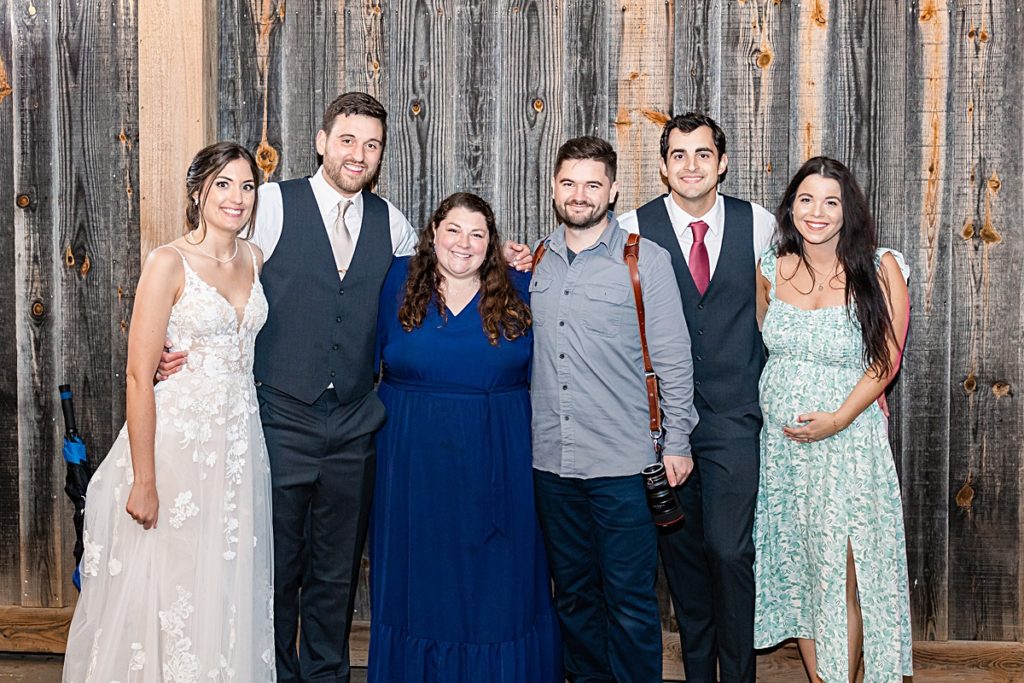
{"points": [[782, 666]]}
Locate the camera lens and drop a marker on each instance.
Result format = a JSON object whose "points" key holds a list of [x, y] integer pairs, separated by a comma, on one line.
{"points": [[661, 499]]}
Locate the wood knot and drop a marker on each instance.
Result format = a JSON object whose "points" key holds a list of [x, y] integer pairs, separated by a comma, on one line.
{"points": [[965, 496], [968, 230], [656, 117], [994, 183], [86, 266], [970, 384], [538, 105], [989, 235], [983, 36], [764, 58], [23, 201], [266, 158], [818, 14], [768, 168], [38, 310], [1002, 390], [633, 75], [416, 108], [69, 257], [972, 33], [515, 9]]}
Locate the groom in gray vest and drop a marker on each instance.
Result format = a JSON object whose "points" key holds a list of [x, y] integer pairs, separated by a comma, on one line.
{"points": [[715, 242]]}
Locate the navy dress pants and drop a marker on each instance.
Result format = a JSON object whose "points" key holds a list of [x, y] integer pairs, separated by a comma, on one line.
{"points": [[322, 463], [603, 553], [709, 560]]}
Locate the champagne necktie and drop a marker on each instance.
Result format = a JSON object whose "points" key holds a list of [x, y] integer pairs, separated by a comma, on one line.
{"points": [[341, 240]]}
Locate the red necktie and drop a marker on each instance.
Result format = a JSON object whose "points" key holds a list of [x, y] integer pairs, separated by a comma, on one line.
{"points": [[700, 266]]}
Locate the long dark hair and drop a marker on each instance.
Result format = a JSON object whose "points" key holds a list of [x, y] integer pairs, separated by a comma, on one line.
{"points": [[206, 164], [855, 252], [504, 314]]}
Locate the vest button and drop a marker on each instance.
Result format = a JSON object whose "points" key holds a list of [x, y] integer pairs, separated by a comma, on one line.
{"points": [[700, 307], [698, 357], [334, 347], [341, 291], [561, 355], [697, 383], [338, 319], [561, 323], [700, 333], [332, 373]]}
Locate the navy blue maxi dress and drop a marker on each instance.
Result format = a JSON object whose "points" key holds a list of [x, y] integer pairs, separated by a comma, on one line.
{"points": [[459, 583]]}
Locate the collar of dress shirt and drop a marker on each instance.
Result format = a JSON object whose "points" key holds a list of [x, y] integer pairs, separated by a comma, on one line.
{"points": [[681, 220], [327, 198], [556, 241]]}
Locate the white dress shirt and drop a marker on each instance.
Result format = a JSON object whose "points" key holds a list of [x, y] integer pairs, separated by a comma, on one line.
{"points": [[764, 228], [270, 217]]}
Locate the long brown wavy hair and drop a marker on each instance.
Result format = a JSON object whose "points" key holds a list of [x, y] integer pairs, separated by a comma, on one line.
{"points": [[503, 312]]}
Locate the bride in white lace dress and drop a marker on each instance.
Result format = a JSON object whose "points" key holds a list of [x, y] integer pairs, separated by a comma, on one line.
{"points": [[177, 577]]}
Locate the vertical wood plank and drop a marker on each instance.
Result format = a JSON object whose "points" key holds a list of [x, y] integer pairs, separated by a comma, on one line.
{"points": [[810, 65], [474, 122], [986, 422], [530, 101], [753, 105], [10, 512], [641, 53], [93, 216], [37, 310], [586, 100], [420, 93], [924, 423], [177, 107], [698, 73], [310, 71]]}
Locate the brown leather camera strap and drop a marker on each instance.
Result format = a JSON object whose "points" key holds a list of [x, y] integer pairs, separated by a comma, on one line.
{"points": [[631, 254]]}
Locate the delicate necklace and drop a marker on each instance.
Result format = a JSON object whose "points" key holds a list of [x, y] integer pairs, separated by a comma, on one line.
{"points": [[834, 273], [229, 259]]}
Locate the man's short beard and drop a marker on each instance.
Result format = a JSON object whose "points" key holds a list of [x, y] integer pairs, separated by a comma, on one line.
{"points": [[596, 218], [339, 179]]}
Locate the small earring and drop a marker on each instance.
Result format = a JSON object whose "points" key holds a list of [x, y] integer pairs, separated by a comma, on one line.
{"points": [[195, 201]]}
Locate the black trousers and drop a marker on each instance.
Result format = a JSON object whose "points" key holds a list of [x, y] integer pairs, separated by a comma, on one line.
{"points": [[709, 560], [322, 461]]}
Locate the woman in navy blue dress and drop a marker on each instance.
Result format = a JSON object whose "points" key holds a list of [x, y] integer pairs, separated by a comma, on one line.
{"points": [[460, 590]]}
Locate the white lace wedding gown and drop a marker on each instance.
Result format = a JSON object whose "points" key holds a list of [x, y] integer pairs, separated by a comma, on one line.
{"points": [[190, 600]]}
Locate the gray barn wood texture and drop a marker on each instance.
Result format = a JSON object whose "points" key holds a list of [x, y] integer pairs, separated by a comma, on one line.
{"points": [[924, 100]]}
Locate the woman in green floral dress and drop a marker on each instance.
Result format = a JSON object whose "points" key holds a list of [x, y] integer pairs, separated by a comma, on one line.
{"points": [[831, 566]]}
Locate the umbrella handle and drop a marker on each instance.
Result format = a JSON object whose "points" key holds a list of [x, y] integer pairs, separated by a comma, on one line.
{"points": [[68, 408]]}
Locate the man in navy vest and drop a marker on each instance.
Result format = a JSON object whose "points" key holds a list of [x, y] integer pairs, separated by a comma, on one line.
{"points": [[327, 243], [715, 242]]}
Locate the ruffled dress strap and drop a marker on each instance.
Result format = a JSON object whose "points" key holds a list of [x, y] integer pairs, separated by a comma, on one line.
{"points": [[900, 260], [769, 259], [255, 265]]}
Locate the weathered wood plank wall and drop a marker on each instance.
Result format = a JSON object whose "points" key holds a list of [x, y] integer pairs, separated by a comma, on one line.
{"points": [[922, 99], [69, 257]]}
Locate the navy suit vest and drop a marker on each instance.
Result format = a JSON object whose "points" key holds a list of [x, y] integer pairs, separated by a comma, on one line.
{"points": [[321, 330], [728, 353]]}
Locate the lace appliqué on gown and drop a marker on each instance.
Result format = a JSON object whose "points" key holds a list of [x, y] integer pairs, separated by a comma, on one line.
{"points": [[192, 599]]}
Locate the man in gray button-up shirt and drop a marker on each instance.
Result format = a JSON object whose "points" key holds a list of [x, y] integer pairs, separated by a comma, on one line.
{"points": [[591, 432]]}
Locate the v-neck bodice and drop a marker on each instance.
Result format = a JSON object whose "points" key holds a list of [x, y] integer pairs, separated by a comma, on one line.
{"points": [[218, 337]]}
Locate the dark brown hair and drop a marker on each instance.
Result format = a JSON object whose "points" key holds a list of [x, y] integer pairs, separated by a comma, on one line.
{"points": [[856, 253], [588, 147], [355, 104], [503, 312], [205, 166], [687, 123]]}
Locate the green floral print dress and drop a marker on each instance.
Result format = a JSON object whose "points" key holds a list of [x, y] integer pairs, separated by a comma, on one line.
{"points": [[813, 497]]}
